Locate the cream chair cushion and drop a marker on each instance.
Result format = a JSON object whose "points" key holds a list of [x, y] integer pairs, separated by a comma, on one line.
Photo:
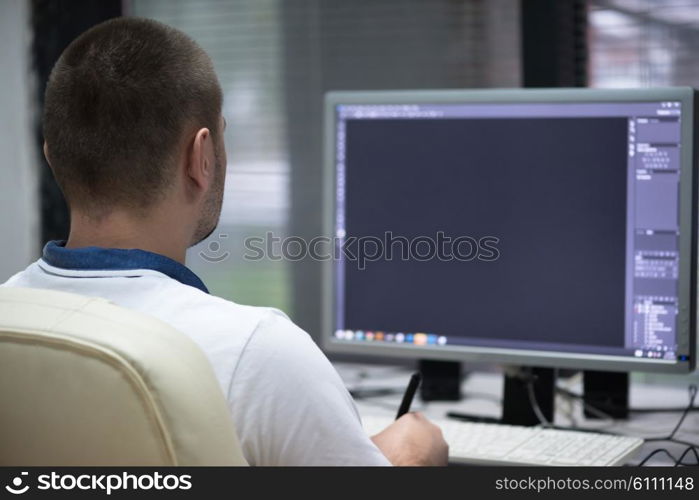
{"points": [[85, 382]]}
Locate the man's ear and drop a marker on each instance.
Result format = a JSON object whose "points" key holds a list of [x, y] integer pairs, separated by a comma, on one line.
{"points": [[199, 169], [46, 153]]}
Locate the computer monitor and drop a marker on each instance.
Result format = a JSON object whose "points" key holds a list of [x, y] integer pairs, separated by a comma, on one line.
{"points": [[535, 227]]}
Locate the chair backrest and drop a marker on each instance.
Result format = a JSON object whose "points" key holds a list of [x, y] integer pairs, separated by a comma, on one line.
{"points": [[85, 382]]}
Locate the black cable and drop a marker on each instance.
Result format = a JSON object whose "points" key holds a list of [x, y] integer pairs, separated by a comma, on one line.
{"points": [[676, 409], [677, 461], [662, 410], [530, 379], [569, 393], [671, 437], [655, 452], [676, 441], [586, 405], [693, 449], [692, 397]]}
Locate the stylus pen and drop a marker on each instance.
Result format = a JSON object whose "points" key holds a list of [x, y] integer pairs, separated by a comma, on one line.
{"points": [[473, 418], [409, 395]]}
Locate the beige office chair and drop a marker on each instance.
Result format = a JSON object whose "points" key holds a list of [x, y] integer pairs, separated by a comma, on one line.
{"points": [[85, 382]]}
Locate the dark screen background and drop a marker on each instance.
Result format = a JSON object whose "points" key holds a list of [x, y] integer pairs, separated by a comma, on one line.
{"points": [[553, 190]]}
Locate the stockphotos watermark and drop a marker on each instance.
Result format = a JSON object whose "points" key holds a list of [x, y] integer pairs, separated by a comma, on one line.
{"points": [[102, 483], [360, 250]]}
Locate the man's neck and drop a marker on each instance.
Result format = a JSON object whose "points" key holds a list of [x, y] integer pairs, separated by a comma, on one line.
{"points": [[121, 230]]}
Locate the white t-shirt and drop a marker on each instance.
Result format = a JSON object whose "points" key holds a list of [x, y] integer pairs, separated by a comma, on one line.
{"points": [[288, 404]]}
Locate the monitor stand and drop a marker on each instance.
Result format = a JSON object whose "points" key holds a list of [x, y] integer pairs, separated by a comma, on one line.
{"points": [[606, 394], [441, 380], [517, 405]]}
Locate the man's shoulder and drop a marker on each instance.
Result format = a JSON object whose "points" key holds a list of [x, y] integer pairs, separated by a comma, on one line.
{"points": [[18, 279], [185, 307], [269, 329], [209, 306]]}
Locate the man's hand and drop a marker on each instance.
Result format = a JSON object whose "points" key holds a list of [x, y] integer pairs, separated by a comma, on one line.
{"points": [[413, 440]]}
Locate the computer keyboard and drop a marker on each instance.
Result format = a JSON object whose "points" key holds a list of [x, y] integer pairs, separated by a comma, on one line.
{"points": [[496, 444]]}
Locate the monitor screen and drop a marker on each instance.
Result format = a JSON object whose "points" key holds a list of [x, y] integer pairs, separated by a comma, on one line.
{"points": [[510, 228]]}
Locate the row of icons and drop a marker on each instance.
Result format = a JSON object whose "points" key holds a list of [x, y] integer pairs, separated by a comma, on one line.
{"points": [[659, 354], [400, 338]]}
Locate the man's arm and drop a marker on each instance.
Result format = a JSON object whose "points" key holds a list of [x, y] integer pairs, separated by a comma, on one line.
{"points": [[290, 406], [413, 440]]}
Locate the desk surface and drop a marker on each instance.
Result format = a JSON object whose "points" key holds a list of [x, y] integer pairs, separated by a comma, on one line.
{"points": [[482, 395]]}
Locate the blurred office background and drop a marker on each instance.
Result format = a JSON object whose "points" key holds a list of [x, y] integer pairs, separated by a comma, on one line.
{"points": [[275, 60]]}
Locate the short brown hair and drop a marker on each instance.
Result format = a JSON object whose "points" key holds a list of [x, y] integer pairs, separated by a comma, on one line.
{"points": [[117, 104]]}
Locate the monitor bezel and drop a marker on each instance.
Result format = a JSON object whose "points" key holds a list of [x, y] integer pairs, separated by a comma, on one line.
{"points": [[687, 285]]}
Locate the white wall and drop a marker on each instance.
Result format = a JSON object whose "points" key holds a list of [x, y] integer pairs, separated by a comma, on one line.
{"points": [[19, 210]]}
